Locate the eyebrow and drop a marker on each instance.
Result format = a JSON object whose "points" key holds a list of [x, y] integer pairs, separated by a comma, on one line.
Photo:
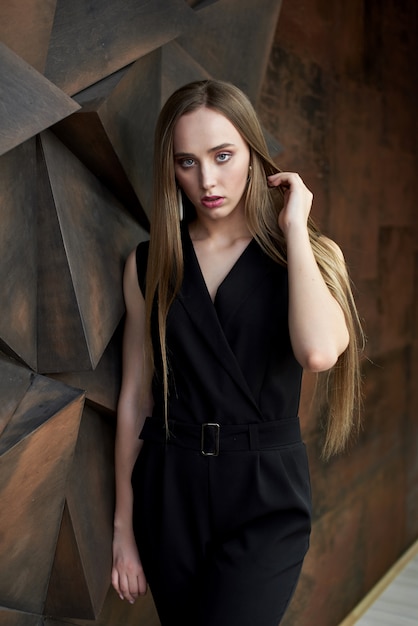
{"points": [[222, 146]]}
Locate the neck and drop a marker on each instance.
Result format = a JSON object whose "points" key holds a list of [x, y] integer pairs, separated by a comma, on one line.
{"points": [[230, 228]]}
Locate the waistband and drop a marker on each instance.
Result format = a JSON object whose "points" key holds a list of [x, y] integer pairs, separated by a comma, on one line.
{"points": [[211, 438]]}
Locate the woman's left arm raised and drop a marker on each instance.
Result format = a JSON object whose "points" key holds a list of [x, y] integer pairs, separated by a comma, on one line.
{"points": [[318, 331]]}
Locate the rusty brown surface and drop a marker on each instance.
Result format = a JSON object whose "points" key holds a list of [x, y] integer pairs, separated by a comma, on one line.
{"points": [[15, 380], [36, 449], [339, 100], [91, 40], [95, 235], [25, 27], [29, 102], [10, 617], [103, 383], [243, 30], [84, 135], [18, 277]]}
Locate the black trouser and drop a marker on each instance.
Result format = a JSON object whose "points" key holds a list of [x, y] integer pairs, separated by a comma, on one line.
{"points": [[222, 538]]}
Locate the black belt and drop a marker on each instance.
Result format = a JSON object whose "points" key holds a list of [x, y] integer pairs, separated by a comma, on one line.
{"points": [[211, 438]]}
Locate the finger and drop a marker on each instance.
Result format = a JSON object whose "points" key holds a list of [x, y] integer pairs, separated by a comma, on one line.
{"points": [[125, 589], [134, 592], [283, 181], [280, 177], [115, 582], [273, 180], [142, 585], [129, 588]]}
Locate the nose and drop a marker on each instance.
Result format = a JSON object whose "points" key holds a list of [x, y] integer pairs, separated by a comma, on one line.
{"points": [[207, 176]]}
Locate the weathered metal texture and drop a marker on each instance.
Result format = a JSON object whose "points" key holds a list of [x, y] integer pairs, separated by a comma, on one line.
{"points": [[115, 613], [14, 383], [95, 234], [10, 617], [18, 275], [25, 27], [84, 135], [36, 449], [84, 542], [233, 41], [338, 93], [91, 40], [29, 102], [74, 202], [103, 383]]}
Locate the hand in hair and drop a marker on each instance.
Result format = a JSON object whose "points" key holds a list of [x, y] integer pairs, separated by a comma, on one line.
{"points": [[317, 325], [297, 200]]}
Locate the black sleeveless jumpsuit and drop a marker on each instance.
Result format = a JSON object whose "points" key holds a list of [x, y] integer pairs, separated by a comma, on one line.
{"points": [[222, 508]]}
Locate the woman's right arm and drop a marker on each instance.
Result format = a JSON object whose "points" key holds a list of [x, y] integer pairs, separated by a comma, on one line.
{"points": [[134, 405]]}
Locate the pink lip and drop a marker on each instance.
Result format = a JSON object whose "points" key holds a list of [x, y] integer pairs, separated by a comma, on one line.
{"points": [[212, 202]]}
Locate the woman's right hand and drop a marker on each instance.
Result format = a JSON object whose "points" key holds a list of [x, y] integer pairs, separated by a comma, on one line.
{"points": [[134, 404], [128, 578]]}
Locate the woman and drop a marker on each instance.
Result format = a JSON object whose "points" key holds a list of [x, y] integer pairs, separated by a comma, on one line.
{"points": [[234, 296]]}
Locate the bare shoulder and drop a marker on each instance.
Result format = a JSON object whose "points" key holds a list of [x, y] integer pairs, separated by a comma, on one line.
{"points": [[130, 263], [132, 292]]}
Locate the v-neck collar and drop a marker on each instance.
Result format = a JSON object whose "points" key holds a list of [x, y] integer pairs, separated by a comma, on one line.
{"points": [[207, 316], [233, 270]]}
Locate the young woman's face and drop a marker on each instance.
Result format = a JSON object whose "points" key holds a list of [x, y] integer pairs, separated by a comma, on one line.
{"points": [[211, 162]]}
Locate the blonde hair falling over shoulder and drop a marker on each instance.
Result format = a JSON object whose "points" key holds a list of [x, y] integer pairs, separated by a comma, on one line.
{"points": [[338, 390]]}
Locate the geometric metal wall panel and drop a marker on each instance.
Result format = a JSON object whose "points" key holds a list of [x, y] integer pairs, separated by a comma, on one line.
{"points": [[97, 234], [81, 574], [26, 29], [29, 102], [249, 26], [114, 613], [36, 449], [102, 384], [10, 617], [84, 135], [14, 382], [68, 593], [91, 40], [18, 276], [60, 332]]}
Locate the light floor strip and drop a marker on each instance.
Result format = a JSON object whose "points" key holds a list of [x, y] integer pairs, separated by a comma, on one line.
{"points": [[394, 599]]}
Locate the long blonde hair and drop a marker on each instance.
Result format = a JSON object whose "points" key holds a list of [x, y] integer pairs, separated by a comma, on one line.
{"points": [[338, 390]]}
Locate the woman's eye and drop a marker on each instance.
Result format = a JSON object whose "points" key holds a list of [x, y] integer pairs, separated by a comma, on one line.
{"points": [[223, 156], [186, 162]]}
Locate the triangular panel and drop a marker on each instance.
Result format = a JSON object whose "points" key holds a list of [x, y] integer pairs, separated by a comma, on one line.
{"points": [[68, 594], [61, 339], [36, 450], [27, 31], [10, 617], [18, 288], [102, 385], [15, 380], [91, 40], [29, 102], [232, 40], [98, 235], [90, 499]]}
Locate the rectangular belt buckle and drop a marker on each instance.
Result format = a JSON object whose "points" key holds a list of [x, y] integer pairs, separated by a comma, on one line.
{"points": [[215, 437]]}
